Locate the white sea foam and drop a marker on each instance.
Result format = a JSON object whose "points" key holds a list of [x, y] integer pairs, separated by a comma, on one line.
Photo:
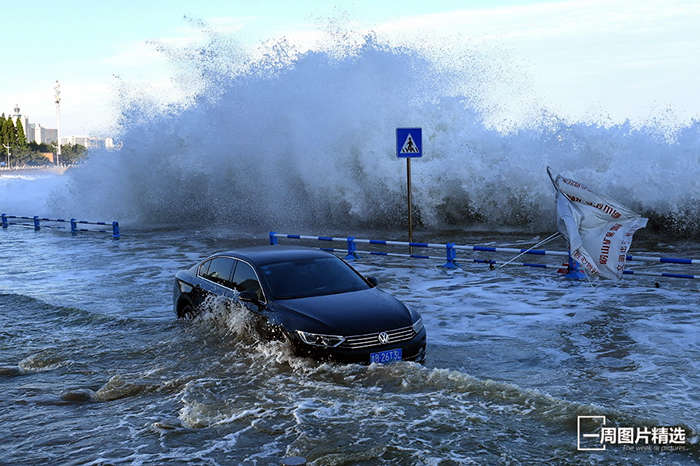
{"points": [[44, 360], [307, 139]]}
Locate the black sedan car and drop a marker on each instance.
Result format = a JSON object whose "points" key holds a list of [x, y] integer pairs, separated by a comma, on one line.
{"points": [[310, 298]]}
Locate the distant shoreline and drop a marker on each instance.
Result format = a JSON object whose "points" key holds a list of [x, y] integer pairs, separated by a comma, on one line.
{"points": [[34, 170]]}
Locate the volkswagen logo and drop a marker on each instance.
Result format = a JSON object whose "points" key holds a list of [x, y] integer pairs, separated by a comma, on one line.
{"points": [[383, 338]]}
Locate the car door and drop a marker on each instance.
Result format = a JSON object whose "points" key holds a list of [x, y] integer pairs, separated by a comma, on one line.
{"points": [[199, 293], [215, 279], [246, 282]]}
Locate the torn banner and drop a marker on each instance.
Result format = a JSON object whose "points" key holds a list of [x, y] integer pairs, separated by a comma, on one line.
{"points": [[599, 230]]}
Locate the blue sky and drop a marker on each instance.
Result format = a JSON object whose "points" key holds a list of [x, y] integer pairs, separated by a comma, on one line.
{"points": [[66, 33], [618, 57]]}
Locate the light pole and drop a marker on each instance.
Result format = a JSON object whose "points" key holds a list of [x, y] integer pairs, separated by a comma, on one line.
{"points": [[8, 155], [57, 94]]}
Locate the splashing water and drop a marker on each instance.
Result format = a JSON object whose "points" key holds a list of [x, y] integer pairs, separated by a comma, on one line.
{"points": [[307, 140], [227, 316]]}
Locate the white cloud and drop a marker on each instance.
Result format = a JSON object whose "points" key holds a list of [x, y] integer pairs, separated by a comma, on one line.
{"points": [[620, 57], [135, 54], [229, 24]]}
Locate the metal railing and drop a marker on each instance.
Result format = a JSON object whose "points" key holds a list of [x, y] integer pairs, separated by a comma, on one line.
{"points": [[75, 226], [451, 249]]}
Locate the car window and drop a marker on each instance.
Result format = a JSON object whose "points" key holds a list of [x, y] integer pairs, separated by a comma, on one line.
{"points": [[220, 271], [311, 277], [245, 280], [203, 268]]}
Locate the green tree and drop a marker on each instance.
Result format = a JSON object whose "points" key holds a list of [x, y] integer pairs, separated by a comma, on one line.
{"points": [[9, 136], [3, 152], [43, 147], [2, 129], [20, 149], [21, 138], [71, 153]]}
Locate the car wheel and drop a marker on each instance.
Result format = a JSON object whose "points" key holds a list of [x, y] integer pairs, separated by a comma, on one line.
{"points": [[187, 312]]}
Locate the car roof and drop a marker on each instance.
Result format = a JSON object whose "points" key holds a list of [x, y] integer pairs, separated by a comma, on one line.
{"points": [[260, 255]]}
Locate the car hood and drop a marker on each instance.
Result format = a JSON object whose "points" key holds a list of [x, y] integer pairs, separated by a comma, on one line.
{"points": [[353, 313]]}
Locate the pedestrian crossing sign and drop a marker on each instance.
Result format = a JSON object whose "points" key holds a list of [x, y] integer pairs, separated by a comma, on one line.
{"points": [[409, 142]]}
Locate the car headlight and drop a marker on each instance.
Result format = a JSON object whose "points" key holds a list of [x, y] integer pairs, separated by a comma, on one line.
{"points": [[418, 325], [184, 287], [317, 339]]}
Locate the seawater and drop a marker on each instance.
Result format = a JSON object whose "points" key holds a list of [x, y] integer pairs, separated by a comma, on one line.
{"points": [[96, 369]]}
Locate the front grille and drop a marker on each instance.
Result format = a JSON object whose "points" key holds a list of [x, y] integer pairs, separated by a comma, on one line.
{"points": [[372, 339]]}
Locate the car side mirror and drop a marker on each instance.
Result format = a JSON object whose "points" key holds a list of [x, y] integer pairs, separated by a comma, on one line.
{"points": [[372, 281], [249, 295]]}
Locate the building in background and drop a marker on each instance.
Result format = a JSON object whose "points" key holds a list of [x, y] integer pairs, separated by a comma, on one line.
{"points": [[34, 132], [90, 142], [37, 133], [18, 115], [48, 155], [82, 140]]}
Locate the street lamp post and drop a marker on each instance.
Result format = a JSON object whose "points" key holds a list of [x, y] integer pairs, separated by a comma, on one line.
{"points": [[57, 94]]}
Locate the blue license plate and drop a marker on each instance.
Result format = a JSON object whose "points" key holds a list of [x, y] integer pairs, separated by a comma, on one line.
{"points": [[387, 356]]}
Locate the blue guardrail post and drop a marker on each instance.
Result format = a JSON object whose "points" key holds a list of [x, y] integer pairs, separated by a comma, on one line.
{"points": [[37, 227], [352, 249], [115, 230], [450, 255], [574, 270], [273, 238], [73, 226], [4, 221]]}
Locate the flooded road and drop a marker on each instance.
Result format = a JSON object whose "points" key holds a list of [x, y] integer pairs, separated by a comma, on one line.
{"points": [[96, 369]]}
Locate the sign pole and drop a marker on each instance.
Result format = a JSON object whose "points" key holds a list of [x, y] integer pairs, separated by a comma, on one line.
{"points": [[410, 213], [409, 144]]}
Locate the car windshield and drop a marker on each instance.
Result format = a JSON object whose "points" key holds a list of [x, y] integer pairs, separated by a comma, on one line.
{"points": [[317, 276]]}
